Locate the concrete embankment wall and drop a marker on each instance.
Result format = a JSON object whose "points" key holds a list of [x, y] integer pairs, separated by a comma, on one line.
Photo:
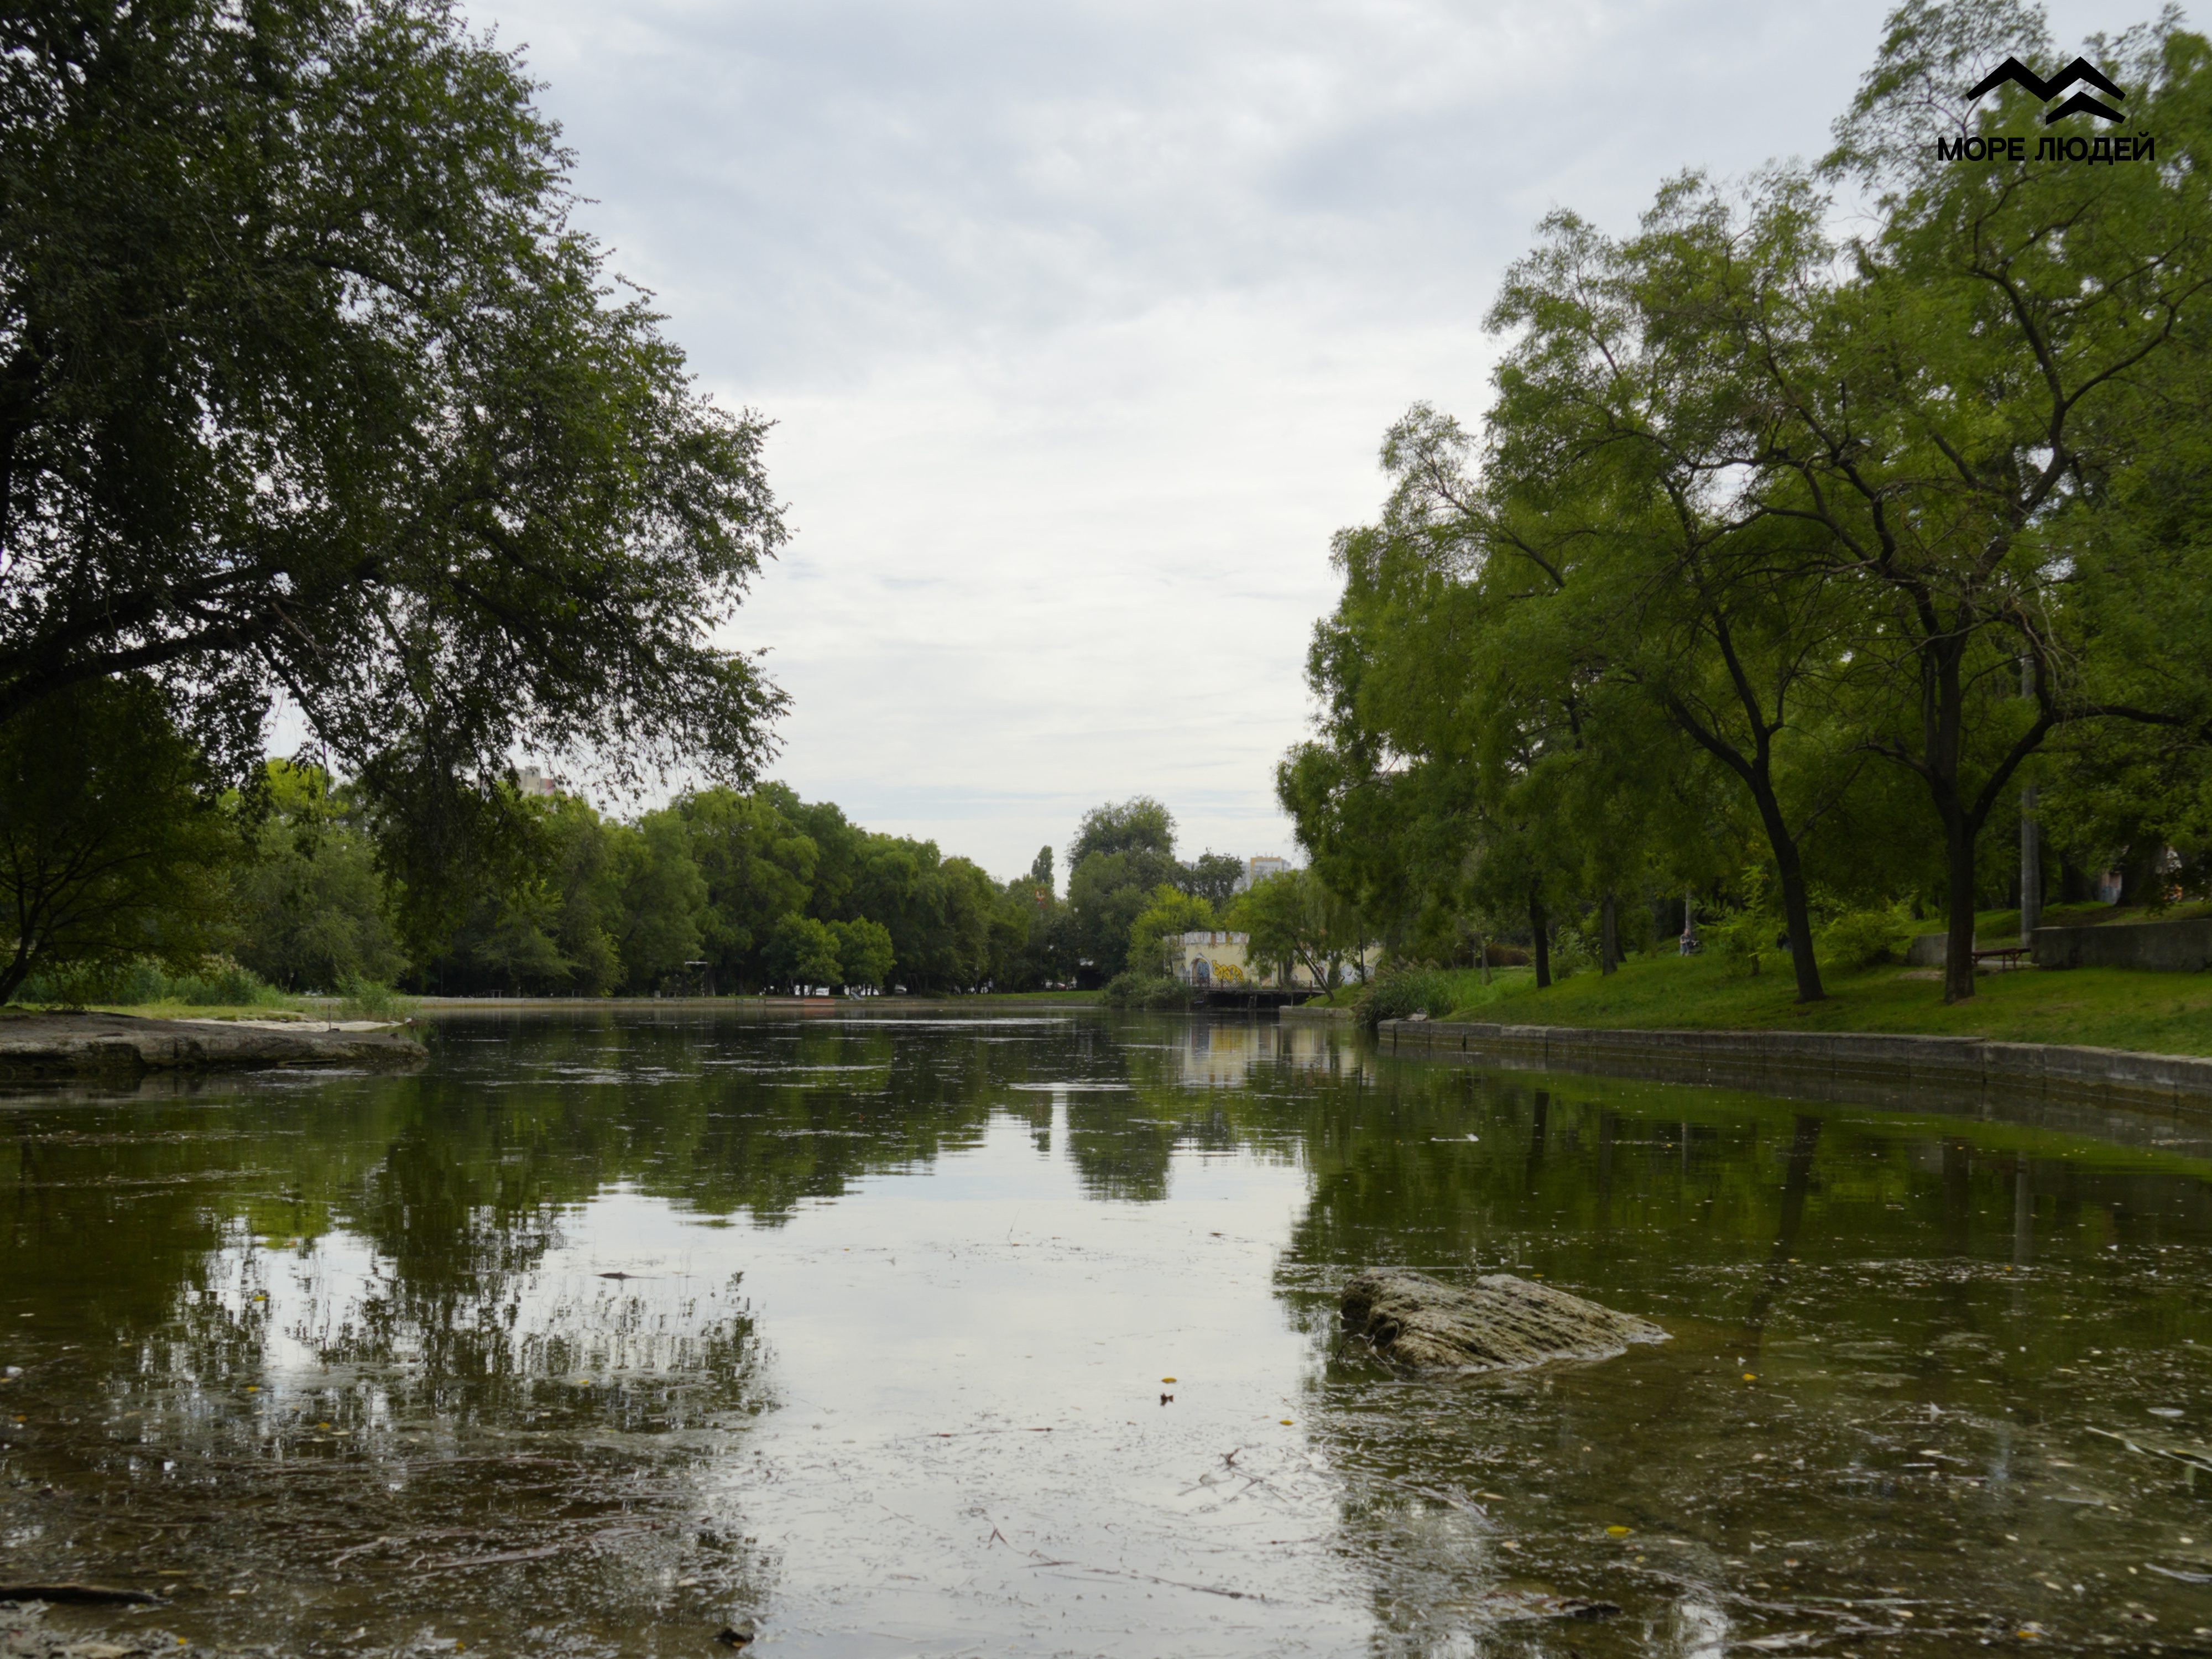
{"points": [[2179, 946], [2175, 946], [1323, 1016], [1854, 1067]]}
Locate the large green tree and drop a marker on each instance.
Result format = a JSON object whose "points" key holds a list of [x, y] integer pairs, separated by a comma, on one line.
{"points": [[310, 386], [1951, 419], [1819, 504], [312, 909], [1139, 823], [758, 866], [113, 845], [1295, 922]]}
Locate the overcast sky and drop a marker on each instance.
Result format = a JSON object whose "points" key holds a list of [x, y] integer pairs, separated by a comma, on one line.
{"points": [[1080, 325]]}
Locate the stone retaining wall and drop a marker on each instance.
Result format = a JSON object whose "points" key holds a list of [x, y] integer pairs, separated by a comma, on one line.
{"points": [[2179, 946], [1843, 1065], [2176, 946]]}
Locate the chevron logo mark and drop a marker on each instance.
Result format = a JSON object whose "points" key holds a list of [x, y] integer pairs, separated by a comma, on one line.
{"points": [[2080, 104]]}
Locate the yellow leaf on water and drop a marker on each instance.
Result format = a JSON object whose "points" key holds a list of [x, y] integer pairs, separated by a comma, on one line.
{"points": [[1167, 1379], [1751, 1376], [1618, 1532], [1287, 1422]]}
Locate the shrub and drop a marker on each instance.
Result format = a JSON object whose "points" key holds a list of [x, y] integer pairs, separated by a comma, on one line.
{"points": [[1747, 934], [223, 983], [1399, 993], [369, 998], [228, 986], [1129, 989], [1571, 953], [1864, 939]]}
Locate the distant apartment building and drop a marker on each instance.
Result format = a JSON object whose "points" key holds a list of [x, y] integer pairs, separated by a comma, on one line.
{"points": [[531, 782], [1260, 868]]}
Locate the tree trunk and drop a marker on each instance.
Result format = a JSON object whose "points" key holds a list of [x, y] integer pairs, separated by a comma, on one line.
{"points": [[1943, 706], [2072, 885], [1538, 924], [1608, 935], [2140, 874], [1796, 912], [1757, 771], [1959, 940], [2031, 867]]}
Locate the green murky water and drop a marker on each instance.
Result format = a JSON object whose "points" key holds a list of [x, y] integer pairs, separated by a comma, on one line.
{"points": [[604, 1330]]}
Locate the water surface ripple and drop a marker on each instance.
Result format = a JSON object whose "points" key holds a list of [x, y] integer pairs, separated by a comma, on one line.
{"points": [[932, 1335]]}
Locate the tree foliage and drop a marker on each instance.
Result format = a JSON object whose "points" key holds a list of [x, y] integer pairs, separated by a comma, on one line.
{"points": [[312, 911], [1170, 911], [1767, 530], [113, 845], [1295, 922], [1139, 824], [310, 386]]}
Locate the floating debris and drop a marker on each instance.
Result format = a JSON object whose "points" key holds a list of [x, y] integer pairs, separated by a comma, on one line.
{"points": [[1499, 1321]]}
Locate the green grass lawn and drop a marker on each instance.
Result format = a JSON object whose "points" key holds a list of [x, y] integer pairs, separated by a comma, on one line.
{"points": [[289, 1010], [2103, 1007], [1071, 998]]}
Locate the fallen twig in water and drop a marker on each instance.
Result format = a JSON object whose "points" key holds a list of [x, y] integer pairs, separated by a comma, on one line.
{"points": [[403, 1538], [1149, 1578], [504, 1558], [2195, 1457], [83, 1595]]}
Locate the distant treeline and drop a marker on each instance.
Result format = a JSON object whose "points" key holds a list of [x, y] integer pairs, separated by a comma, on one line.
{"points": [[720, 891]]}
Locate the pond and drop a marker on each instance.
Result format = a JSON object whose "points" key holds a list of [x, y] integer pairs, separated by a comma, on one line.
{"points": [[1017, 1334]]}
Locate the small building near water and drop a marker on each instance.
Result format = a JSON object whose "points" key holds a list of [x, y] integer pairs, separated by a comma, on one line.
{"points": [[1215, 959], [1208, 958]]}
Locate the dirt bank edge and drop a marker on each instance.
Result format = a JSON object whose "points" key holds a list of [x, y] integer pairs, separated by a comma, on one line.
{"points": [[74, 1045]]}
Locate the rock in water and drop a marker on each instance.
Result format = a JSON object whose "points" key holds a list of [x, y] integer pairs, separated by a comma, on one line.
{"points": [[1496, 1322]]}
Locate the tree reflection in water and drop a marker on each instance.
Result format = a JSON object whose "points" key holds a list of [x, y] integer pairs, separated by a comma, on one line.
{"points": [[355, 1345]]}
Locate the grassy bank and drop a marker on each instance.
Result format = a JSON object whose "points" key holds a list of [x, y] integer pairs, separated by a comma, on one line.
{"points": [[279, 1006], [986, 1000], [170, 1008], [977, 1000], [2103, 1007]]}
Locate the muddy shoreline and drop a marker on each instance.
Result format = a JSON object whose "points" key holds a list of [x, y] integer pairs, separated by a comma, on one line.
{"points": [[82, 1044]]}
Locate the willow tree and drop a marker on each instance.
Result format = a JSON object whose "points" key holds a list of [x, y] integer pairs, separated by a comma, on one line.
{"points": [[1820, 501], [310, 389], [1467, 757], [1610, 523], [1952, 421]]}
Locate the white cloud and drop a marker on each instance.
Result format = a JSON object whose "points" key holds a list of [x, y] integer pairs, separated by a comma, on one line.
{"points": [[1081, 323]]}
